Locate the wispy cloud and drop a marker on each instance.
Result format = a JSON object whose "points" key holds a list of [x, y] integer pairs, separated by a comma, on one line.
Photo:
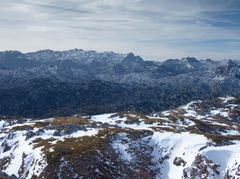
{"points": [[156, 29]]}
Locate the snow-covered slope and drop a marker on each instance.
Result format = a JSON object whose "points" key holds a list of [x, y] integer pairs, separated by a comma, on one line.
{"points": [[197, 140]]}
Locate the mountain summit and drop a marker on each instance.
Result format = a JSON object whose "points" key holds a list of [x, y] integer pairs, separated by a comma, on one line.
{"points": [[131, 58]]}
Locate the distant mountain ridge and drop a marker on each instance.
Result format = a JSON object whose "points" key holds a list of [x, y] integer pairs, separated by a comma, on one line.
{"points": [[48, 82]]}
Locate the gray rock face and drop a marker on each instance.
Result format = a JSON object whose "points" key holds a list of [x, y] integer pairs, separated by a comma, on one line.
{"points": [[47, 82]]}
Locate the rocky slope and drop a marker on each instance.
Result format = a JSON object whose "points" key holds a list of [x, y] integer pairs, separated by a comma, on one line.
{"points": [[197, 140], [47, 83]]}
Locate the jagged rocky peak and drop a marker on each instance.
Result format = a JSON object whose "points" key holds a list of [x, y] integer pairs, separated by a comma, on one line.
{"points": [[231, 67], [192, 62], [74, 50], [232, 64], [184, 61], [173, 65], [16, 52], [44, 51], [209, 60], [74, 54], [190, 59], [39, 53], [42, 55], [171, 62], [132, 58], [11, 54], [51, 52]]}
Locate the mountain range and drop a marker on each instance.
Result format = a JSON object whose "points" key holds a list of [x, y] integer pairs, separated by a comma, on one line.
{"points": [[49, 83]]}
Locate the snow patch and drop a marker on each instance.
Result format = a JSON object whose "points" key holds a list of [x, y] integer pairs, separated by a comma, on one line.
{"points": [[121, 146], [89, 132], [168, 146]]}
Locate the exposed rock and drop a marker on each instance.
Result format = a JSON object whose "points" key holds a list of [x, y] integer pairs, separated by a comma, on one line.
{"points": [[30, 134], [178, 161]]}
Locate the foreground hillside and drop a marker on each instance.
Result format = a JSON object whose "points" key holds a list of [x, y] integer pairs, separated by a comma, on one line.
{"points": [[197, 140], [48, 83]]}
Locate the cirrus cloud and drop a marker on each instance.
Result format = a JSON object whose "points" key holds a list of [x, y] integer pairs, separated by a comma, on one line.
{"points": [[156, 29]]}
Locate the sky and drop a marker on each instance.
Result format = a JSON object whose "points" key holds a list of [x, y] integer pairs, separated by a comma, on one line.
{"points": [[153, 29]]}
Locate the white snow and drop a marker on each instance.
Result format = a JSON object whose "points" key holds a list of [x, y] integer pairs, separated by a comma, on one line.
{"points": [[225, 156], [16, 125], [89, 132], [34, 162], [225, 100], [219, 78], [216, 123], [122, 147], [184, 145], [42, 120], [220, 112], [160, 118], [1, 124], [230, 132], [185, 122], [140, 126], [104, 118], [166, 145], [166, 113], [190, 112], [187, 146]]}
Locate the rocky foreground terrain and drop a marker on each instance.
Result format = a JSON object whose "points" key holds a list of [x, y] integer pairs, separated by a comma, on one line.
{"points": [[48, 83], [197, 140]]}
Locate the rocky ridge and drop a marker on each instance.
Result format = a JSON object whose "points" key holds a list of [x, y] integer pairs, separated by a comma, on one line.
{"points": [[185, 142]]}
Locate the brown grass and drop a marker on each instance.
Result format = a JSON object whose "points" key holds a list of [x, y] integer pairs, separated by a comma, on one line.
{"points": [[21, 128], [69, 120], [41, 124], [220, 138], [148, 120], [163, 129], [45, 143]]}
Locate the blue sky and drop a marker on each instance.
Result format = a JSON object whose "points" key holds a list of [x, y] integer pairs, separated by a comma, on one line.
{"points": [[154, 29]]}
